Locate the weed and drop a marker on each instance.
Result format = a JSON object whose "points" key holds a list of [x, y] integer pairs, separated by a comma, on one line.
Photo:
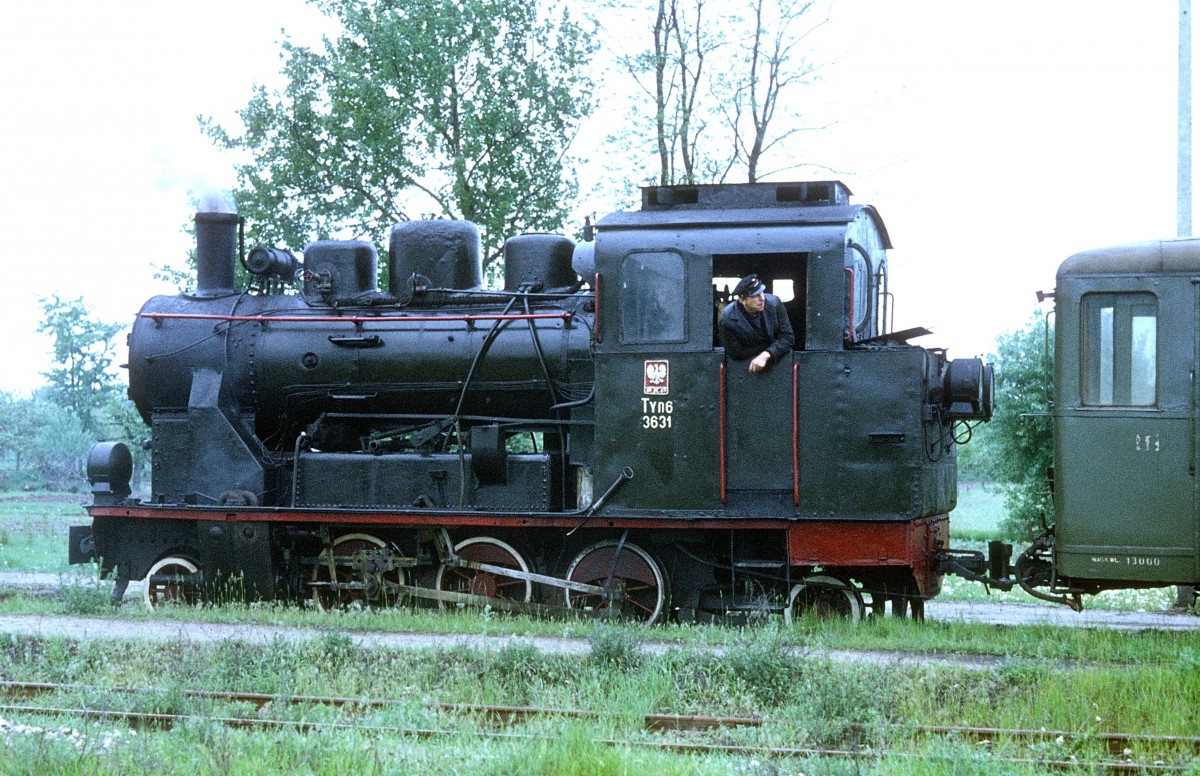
{"points": [[336, 650], [766, 668], [616, 647], [834, 696], [523, 668], [83, 598], [574, 752], [18, 653]]}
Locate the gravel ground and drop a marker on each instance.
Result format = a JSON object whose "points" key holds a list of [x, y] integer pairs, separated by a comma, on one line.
{"points": [[92, 628]]}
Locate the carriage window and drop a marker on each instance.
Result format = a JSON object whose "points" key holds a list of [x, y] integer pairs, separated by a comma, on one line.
{"points": [[1120, 349], [653, 297]]}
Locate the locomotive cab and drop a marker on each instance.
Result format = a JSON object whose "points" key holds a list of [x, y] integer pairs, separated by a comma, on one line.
{"points": [[664, 276], [844, 446]]}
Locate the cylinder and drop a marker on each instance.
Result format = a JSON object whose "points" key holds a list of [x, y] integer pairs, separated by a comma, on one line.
{"points": [[271, 263], [109, 469]]}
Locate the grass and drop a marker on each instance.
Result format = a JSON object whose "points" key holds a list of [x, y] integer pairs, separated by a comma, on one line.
{"points": [[979, 512], [33, 530], [614, 645], [811, 700]]}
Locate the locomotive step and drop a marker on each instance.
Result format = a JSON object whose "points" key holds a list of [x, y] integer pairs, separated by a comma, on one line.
{"points": [[759, 564]]}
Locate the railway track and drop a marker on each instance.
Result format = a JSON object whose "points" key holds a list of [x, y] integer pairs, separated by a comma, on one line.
{"points": [[1138, 753]]}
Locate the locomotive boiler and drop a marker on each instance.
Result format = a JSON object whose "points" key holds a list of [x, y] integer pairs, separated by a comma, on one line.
{"points": [[575, 440]]}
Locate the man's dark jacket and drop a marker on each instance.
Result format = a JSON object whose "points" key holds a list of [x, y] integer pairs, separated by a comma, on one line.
{"points": [[742, 339]]}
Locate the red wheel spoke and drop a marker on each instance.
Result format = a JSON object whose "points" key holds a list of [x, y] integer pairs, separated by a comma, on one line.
{"points": [[343, 553], [640, 605], [493, 552], [645, 586]]}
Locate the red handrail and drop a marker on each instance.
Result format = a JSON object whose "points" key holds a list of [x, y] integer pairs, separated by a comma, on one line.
{"points": [[596, 325], [850, 304], [357, 319], [721, 428], [795, 434]]}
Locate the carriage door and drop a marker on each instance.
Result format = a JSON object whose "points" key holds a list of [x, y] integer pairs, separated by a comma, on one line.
{"points": [[1194, 410], [1127, 451]]}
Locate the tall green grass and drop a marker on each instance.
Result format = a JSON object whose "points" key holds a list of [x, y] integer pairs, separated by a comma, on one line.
{"points": [[810, 700]]}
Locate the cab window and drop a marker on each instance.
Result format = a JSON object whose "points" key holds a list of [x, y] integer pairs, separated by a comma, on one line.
{"points": [[653, 298], [1120, 349]]}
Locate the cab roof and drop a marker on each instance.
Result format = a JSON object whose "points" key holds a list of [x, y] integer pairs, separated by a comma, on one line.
{"points": [[745, 204]]}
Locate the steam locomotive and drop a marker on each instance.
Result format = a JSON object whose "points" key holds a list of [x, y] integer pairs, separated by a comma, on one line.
{"points": [[577, 440]]}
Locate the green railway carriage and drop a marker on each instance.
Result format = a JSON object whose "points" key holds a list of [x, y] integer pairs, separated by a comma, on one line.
{"points": [[576, 440], [1125, 431]]}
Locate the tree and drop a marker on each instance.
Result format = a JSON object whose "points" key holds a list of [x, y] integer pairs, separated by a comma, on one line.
{"points": [[443, 108], [717, 82], [15, 427], [1018, 450], [41, 443], [671, 73], [83, 350], [771, 64]]}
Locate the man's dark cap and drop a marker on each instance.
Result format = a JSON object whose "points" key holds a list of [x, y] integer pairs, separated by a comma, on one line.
{"points": [[749, 286]]}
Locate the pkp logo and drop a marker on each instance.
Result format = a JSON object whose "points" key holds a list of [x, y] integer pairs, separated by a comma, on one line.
{"points": [[657, 380]]}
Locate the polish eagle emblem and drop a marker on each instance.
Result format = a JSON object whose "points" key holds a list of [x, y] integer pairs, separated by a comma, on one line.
{"points": [[657, 378]]}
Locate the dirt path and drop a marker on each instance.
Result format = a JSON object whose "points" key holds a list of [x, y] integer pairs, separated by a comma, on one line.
{"points": [[84, 628]]}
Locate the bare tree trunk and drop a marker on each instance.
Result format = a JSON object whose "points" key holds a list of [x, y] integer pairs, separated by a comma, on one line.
{"points": [[691, 49], [662, 37]]}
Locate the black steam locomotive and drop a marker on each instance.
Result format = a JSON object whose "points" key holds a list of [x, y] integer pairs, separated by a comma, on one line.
{"points": [[575, 440]]}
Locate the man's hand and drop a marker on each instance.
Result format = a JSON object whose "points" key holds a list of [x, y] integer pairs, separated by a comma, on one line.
{"points": [[760, 362]]}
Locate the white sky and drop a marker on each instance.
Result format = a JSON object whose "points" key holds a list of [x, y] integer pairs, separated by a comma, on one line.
{"points": [[995, 138]]}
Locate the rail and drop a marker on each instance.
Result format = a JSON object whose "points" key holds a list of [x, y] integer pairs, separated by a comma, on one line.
{"points": [[1119, 744]]}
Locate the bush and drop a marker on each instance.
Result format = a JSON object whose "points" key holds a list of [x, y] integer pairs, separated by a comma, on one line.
{"points": [[616, 647], [41, 445], [84, 598], [1015, 449]]}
